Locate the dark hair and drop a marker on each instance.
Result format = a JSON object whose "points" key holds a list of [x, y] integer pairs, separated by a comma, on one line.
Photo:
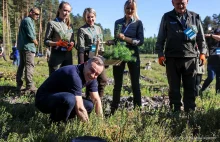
{"points": [[67, 21], [217, 31], [33, 9], [97, 60]]}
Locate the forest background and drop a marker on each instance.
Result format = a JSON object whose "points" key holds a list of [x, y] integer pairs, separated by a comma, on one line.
{"points": [[13, 11]]}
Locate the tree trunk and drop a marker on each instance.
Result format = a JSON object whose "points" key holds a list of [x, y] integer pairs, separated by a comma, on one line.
{"points": [[39, 34], [7, 28], [3, 22]]}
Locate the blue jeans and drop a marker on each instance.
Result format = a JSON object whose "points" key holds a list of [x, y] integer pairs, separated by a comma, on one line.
{"points": [[213, 70], [16, 61], [60, 105]]}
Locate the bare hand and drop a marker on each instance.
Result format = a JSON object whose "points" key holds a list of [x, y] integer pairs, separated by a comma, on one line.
{"points": [[207, 35], [121, 36], [35, 42], [83, 115]]}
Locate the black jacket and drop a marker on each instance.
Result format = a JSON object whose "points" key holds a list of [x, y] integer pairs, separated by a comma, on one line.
{"points": [[213, 45], [171, 39]]}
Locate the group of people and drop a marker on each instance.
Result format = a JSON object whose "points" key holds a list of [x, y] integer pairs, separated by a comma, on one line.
{"points": [[61, 93]]}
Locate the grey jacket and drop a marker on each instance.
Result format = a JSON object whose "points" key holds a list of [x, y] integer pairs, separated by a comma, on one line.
{"points": [[171, 40], [87, 35], [56, 30]]}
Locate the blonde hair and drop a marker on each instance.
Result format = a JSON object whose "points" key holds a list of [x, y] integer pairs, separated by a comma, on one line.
{"points": [[67, 21], [135, 8], [88, 10]]}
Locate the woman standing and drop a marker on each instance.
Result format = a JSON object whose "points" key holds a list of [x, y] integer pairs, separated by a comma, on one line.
{"points": [[129, 30], [87, 37], [60, 37]]}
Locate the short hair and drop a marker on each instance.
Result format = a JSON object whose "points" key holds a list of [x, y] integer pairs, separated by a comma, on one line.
{"points": [[89, 10], [34, 9], [97, 60], [135, 8], [217, 31]]}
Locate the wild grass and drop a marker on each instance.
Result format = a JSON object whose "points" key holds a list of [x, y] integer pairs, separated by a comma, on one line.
{"points": [[21, 121]]}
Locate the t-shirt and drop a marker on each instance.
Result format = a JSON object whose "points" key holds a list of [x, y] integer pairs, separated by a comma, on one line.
{"points": [[67, 79]]}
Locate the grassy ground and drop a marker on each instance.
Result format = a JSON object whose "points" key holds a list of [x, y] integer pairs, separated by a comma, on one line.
{"points": [[21, 121]]}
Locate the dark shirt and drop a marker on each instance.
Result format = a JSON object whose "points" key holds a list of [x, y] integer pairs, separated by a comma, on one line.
{"points": [[26, 35], [133, 30], [67, 79], [213, 47]]}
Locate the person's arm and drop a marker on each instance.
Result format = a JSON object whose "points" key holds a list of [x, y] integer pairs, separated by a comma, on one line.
{"points": [[139, 40], [30, 31], [97, 102], [216, 37], [72, 42], [81, 45], [161, 38], [80, 109], [48, 35], [200, 37]]}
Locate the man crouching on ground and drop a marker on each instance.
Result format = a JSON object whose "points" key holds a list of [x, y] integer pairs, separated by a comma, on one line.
{"points": [[61, 94]]}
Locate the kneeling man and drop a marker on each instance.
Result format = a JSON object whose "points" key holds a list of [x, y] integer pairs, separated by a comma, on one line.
{"points": [[61, 94]]}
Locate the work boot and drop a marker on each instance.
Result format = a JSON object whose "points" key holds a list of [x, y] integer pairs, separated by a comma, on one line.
{"points": [[20, 88], [32, 89]]}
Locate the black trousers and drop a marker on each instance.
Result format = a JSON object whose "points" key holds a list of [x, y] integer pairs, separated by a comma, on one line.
{"points": [[59, 59], [197, 84], [60, 105], [181, 69], [134, 70]]}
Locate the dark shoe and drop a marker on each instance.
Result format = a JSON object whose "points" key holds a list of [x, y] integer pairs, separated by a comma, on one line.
{"points": [[175, 108], [187, 110], [20, 88], [113, 110], [200, 93], [32, 89]]}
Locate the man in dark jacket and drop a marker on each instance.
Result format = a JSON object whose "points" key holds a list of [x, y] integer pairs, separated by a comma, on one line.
{"points": [[179, 32]]}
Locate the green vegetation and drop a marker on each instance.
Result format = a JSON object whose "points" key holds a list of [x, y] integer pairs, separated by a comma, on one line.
{"points": [[21, 121], [119, 52]]}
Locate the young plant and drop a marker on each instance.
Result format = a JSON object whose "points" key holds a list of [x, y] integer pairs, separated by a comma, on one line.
{"points": [[63, 36], [119, 52]]}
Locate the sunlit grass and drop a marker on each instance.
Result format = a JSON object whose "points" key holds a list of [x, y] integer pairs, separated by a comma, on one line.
{"points": [[21, 121]]}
